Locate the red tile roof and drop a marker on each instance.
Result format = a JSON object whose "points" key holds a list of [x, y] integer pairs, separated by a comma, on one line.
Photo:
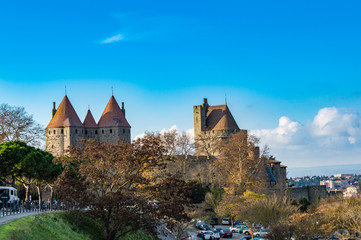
{"points": [[89, 121], [220, 118], [65, 116], [113, 116]]}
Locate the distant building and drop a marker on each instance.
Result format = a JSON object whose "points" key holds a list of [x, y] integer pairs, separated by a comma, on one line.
{"points": [[65, 128], [351, 192], [330, 184], [343, 175]]}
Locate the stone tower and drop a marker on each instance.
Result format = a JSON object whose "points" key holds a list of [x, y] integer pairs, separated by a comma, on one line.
{"points": [[212, 123], [112, 124], [65, 128]]}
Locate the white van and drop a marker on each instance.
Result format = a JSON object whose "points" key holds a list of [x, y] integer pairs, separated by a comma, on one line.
{"points": [[9, 195]]}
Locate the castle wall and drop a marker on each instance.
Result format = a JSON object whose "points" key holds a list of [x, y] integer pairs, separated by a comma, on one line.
{"points": [[311, 193], [111, 135], [58, 140], [75, 134], [55, 141]]}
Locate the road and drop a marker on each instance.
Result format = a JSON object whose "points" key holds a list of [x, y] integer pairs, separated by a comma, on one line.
{"points": [[9, 218]]}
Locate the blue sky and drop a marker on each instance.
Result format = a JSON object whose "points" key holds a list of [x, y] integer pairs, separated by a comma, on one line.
{"points": [[294, 59]]}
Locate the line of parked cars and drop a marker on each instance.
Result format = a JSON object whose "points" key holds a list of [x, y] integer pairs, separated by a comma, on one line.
{"points": [[209, 232]]}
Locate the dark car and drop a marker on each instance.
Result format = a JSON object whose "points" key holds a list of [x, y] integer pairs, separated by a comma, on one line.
{"points": [[246, 238], [214, 221], [204, 227], [226, 234]]}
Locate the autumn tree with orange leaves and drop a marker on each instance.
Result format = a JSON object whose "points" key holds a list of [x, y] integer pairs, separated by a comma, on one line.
{"points": [[118, 181]]}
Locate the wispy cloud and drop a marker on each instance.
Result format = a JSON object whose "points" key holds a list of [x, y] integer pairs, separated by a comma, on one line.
{"points": [[115, 38]]}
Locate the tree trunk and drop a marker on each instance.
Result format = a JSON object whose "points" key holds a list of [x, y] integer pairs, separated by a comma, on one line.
{"points": [[51, 195], [39, 193], [26, 192]]}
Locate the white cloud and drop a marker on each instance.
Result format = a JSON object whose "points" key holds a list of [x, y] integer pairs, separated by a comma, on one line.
{"points": [[115, 38], [139, 136], [288, 134], [189, 132], [331, 127], [331, 137]]}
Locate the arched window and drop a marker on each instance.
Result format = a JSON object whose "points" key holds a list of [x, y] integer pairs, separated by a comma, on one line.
{"points": [[62, 131], [96, 131], [54, 131], [103, 131], [86, 132], [76, 131], [49, 132], [123, 130], [110, 131]]}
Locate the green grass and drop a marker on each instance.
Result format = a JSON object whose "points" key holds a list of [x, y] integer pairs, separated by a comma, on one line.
{"points": [[55, 226], [59, 226]]}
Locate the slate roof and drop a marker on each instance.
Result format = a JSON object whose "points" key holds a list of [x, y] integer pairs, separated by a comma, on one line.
{"points": [[113, 116], [220, 118], [65, 116], [89, 121]]}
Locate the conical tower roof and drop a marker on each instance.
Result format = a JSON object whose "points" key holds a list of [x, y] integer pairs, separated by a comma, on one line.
{"points": [[113, 116], [65, 116], [89, 121], [220, 118]]}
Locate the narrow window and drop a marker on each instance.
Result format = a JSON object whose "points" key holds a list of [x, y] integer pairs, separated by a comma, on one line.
{"points": [[86, 132], [123, 130], [49, 132], [96, 131], [103, 131], [76, 130], [62, 131], [111, 131], [54, 131]]}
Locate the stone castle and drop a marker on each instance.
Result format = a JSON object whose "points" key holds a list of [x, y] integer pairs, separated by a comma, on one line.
{"points": [[65, 128], [215, 124], [211, 123]]}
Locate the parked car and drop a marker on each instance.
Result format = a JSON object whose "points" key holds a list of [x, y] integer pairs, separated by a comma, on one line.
{"points": [[247, 231], [239, 228], [226, 221], [206, 235], [226, 234], [245, 238], [214, 221], [192, 236], [198, 222], [216, 235], [261, 233], [204, 227]]}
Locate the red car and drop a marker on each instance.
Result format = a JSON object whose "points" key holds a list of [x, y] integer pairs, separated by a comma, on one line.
{"points": [[226, 234]]}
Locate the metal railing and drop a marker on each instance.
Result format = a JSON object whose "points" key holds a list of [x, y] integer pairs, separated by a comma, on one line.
{"points": [[8, 209]]}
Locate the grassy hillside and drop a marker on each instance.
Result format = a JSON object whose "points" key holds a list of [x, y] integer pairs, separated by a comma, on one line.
{"points": [[57, 226]]}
